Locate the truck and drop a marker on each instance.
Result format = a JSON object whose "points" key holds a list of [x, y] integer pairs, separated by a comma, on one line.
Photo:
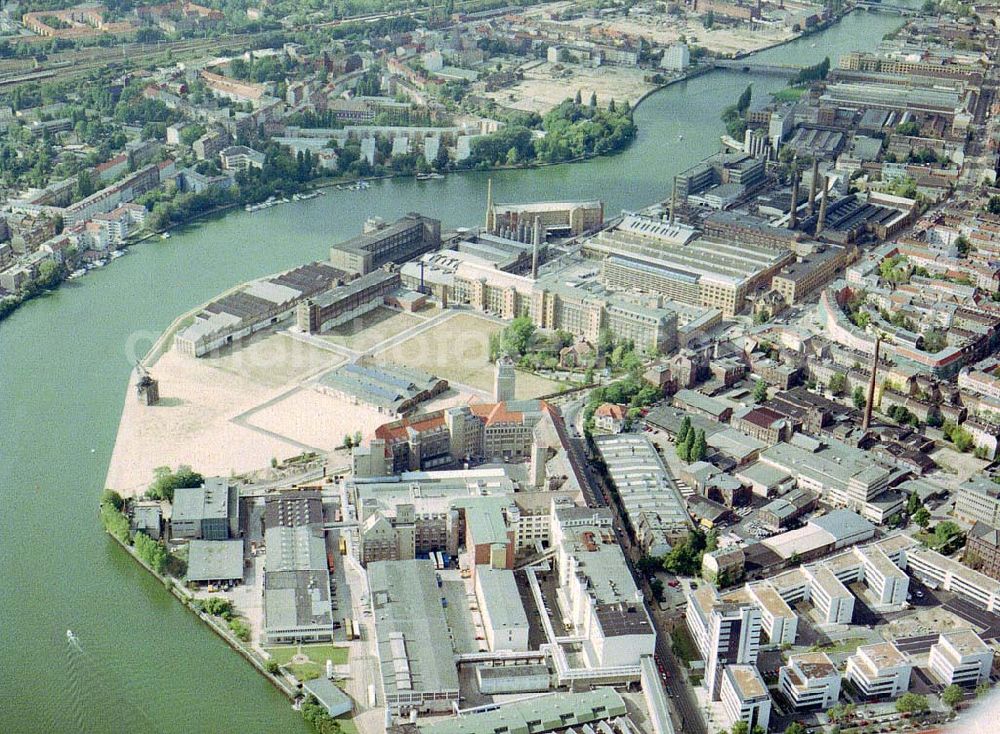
{"points": [[343, 546], [348, 628], [329, 561], [371, 695], [356, 628]]}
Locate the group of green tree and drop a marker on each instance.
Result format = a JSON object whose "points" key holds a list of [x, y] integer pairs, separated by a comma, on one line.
{"points": [[116, 523], [958, 435], [684, 559], [514, 340], [902, 415], [318, 717], [814, 73], [690, 445], [631, 391], [166, 481], [572, 131], [50, 274], [734, 116], [351, 441]]}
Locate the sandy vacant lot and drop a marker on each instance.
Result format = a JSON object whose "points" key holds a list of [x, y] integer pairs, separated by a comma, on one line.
{"points": [[271, 359], [457, 349], [376, 326], [546, 85], [664, 30]]}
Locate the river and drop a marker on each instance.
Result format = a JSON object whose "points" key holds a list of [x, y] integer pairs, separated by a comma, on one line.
{"points": [[144, 662]]}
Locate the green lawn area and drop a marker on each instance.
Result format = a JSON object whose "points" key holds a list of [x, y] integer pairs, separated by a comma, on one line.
{"points": [[317, 654], [789, 94], [347, 725], [683, 646]]}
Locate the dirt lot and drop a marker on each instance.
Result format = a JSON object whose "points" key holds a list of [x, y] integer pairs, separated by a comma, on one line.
{"points": [[546, 85], [457, 349], [664, 30], [200, 399], [925, 621], [374, 327]]}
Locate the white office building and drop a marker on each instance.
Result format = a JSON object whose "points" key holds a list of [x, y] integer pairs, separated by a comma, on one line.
{"points": [[810, 680], [832, 599], [726, 632], [778, 621], [745, 697], [879, 671], [960, 656]]}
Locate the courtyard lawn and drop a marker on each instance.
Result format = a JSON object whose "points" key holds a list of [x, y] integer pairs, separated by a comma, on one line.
{"points": [[457, 349], [314, 664]]}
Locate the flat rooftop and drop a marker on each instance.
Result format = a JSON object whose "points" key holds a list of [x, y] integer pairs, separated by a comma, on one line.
{"points": [[747, 682]]}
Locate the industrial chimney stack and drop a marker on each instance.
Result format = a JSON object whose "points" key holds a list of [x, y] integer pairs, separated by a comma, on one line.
{"points": [[871, 386]]}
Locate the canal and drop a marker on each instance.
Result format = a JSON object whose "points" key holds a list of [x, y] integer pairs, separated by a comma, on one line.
{"points": [[143, 662]]}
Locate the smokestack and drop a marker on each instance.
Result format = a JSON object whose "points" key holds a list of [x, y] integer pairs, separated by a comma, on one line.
{"points": [[812, 187], [871, 382], [673, 202], [822, 209], [793, 211], [489, 205], [536, 240]]}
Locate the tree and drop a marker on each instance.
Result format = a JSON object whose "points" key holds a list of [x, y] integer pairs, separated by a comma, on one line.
{"points": [[683, 448], [593, 99], [740, 727], [357, 438], [837, 383], [945, 531], [165, 481], [913, 504], [858, 397], [952, 696], [112, 498], [760, 391], [517, 336], [240, 628], [699, 448], [993, 207], [578, 99], [656, 587], [348, 442], [272, 667], [150, 551], [922, 517], [682, 432], [911, 703]]}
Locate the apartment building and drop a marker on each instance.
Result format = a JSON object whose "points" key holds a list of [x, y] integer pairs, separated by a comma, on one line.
{"points": [[879, 671], [726, 633], [810, 680], [982, 549], [961, 657], [744, 696], [978, 500]]}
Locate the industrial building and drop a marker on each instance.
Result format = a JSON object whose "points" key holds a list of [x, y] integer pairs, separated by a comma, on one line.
{"points": [[537, 715], [390, 389], [344, 302], [552, 304], [560, 219], [961, 657], [598, 594], [296, 575], [810, 680], [215, 562], [208, 512], [254, 307], [653, 256], [501, 679], [379, 244], [504, 620], [653, 505], [416, 665], [879, 671], [982, 547]]}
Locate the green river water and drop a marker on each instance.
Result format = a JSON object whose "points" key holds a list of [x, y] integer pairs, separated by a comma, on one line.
{"points": [[145, 664]]}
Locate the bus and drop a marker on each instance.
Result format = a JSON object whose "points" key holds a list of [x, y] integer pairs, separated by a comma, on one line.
{"points": [[348, 628], [343, 545], [356, 629], [371, 695]]}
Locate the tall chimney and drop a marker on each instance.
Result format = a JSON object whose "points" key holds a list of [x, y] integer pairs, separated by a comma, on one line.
{"points": [[673, 202], [489, 205], [536, 240], [871, 384], [812, 187], [822, 209], [793, 211]]}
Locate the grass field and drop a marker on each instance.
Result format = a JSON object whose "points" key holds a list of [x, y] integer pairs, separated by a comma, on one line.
{"points": [[271, 359], [682, 644], [317, 654], [366, 331], [458, 350]]}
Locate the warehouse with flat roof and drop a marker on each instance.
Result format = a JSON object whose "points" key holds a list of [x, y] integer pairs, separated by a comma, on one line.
{"points": [[415, 653]]}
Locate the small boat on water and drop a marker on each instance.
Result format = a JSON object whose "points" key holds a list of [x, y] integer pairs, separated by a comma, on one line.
{"points": [[165, 236], [429, 176]]}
